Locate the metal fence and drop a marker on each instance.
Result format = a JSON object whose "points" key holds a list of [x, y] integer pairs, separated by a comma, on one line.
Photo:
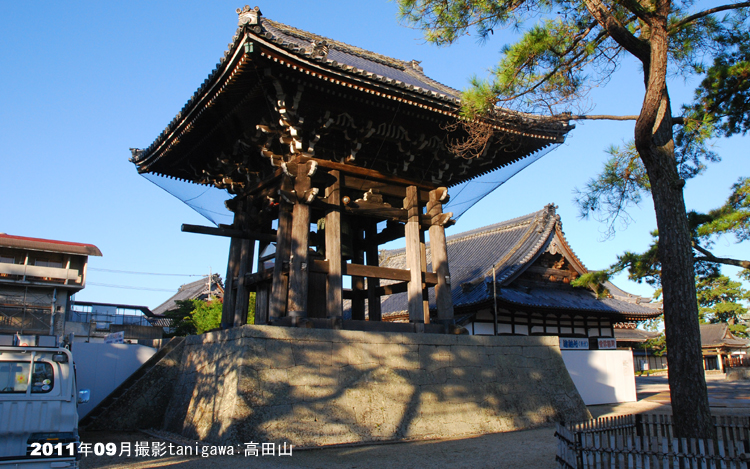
{"points": [[648, 441], [26, 311], [77, 314]]}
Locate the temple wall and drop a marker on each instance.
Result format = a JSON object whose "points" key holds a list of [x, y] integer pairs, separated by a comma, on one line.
{"points": [[312, 387]]}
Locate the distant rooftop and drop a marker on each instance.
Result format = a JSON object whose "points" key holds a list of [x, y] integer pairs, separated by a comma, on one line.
{"points": [[191, 291], [48, 245], [511, 247]]}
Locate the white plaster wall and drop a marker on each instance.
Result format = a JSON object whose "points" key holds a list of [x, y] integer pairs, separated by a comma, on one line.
{"points": [[102, 367], [602, 376]]}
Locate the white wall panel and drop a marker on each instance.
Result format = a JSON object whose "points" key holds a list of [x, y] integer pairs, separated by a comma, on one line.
{"points": [[102, 367], [602, 376]]}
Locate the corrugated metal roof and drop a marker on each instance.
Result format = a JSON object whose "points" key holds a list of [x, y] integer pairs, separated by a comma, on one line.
{"points": [[48, 245]]}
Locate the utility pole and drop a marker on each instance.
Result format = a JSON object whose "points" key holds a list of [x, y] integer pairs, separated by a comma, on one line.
{"points": [[210, 278]]}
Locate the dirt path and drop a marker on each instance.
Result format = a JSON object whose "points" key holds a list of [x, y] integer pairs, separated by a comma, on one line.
{"points": [[525, 449], [532, 449]]}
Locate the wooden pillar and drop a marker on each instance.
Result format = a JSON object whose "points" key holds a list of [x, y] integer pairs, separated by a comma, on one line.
{"points": [[358, 283], [299, 261], [247, 249], [233, 266], [334, 307], [413, 255], [373, 283], [262, 291], [439, 252], [423, 265], [280, 284]]}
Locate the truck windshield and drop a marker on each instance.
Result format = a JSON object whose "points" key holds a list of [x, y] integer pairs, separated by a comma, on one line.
{"points": [[14, 377]]}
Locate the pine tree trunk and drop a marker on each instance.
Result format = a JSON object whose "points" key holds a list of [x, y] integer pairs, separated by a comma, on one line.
{"points": [[653, 138]]}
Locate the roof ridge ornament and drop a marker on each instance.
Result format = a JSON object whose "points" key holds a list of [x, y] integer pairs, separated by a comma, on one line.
{"points": [[414, 64], [249, 15], [320, 49]]}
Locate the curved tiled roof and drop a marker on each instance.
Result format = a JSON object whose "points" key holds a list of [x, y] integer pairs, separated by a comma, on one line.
{"points": [[191, 291], [356, 60], [719, 335], [348, 65], [513, 246], [634, 335]]}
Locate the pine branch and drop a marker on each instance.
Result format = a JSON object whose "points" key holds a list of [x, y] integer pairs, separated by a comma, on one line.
{"points": [[704, 13], [603, 117], [719, 260]]}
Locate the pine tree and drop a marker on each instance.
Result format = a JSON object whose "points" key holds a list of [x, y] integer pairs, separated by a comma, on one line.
{"points": [[571, 46]]}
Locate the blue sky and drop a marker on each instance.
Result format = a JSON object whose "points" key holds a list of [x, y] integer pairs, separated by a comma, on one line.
{"points": [[85, 81]]}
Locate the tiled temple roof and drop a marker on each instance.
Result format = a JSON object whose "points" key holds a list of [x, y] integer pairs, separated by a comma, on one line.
{"points": [[512, 247], [191, 291], [334, 62], [719, 335]]}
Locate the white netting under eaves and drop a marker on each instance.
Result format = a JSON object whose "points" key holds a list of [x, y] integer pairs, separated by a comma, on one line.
{"points": [[206, 200], [209, 200], [463, 196]]}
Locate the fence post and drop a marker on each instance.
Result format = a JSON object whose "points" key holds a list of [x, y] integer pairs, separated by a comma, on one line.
{"points": [[638, 425]]}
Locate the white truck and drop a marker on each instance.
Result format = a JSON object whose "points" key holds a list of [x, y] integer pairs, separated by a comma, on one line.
{"points": [[38, 403]]}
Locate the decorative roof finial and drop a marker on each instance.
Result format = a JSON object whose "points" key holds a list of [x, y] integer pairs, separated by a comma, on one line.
{"points": [[415, 65], [320, 49], [249, 15]]}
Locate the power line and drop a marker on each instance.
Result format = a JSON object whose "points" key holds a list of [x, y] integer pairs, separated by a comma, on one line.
{"points": [[128, 287], [144, 273]]}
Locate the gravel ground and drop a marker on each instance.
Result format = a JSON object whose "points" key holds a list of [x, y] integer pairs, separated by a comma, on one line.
{"points": [[528, 449]]}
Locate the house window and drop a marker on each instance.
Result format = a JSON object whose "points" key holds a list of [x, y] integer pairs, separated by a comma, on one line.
{"points": [[7, 260], [47, 262]]}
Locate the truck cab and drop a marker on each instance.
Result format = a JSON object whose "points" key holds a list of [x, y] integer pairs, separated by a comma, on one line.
{"points": [[38, 403]]}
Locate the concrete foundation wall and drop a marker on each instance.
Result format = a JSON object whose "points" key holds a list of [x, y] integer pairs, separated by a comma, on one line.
{"points": [[738, 374], [312, 387]]}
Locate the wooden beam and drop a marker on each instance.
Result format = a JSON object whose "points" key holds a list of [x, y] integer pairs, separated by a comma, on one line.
{"points": [[349, 294], [388, 273], [393, 288], [260, 185], [258, 277], [364, 209], [383, 187], [230, 233], [369, 173], [334, 306], [393, 230]]}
